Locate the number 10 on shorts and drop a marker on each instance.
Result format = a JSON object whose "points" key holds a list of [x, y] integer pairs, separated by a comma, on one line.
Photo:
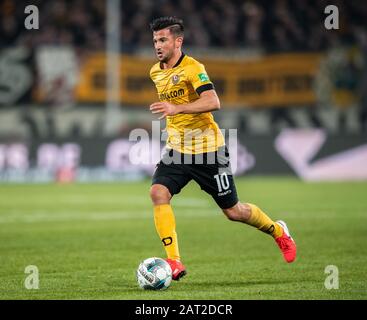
{"points": [[222, 181]]}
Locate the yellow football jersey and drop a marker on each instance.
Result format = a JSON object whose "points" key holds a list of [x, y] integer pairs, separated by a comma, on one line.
{"points": [[191, 133]]}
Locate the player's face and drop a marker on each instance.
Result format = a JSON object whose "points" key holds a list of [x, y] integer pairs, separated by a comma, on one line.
{"points": [[165, 44]]}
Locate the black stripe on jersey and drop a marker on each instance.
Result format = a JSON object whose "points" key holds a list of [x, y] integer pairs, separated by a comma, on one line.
{"points": [[176, 64], [204, 87], [179, 60]]}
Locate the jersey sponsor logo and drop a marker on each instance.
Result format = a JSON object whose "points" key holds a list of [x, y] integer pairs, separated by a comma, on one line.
{"points": [[172, 94], [221, 194], [175, 79], [203, 77]]}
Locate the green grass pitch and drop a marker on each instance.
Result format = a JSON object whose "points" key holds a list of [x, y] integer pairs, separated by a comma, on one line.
{"points": [[87, 241]]}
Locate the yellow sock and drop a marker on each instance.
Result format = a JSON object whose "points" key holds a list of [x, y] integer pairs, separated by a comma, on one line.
{"points": [[261, 221], [165, 224]]}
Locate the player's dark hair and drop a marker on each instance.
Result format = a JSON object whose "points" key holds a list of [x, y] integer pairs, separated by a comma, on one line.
{"points": [[174, 24]]}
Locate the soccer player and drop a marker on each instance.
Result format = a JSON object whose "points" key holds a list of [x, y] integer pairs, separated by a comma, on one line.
{"points": [[187, 97]]}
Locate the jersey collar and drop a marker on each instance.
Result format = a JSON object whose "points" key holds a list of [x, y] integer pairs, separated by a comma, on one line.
{"points": [[177, 63]]}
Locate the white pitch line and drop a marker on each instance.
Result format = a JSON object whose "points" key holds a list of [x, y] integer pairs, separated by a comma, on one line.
{"points": [[137, 200], [35, 217]]}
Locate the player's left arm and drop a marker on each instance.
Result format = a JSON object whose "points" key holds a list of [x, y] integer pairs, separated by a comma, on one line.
{"points": [[208, 101]]}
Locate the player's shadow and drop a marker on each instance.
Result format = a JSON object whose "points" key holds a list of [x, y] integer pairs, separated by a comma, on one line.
{"points": [[206, 285], [117, 285]]}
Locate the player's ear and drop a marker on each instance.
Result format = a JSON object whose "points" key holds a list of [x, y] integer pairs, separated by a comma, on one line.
{"points": [[179, 42]]}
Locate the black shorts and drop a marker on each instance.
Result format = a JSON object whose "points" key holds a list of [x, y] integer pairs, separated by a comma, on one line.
{"points": [[212, 171]]}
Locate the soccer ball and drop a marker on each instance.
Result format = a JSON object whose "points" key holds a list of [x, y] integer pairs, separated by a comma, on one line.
{"points": [[154, 274]]}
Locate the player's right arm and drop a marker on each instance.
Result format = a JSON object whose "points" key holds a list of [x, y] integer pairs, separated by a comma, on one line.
{"points": [[207, 102]]}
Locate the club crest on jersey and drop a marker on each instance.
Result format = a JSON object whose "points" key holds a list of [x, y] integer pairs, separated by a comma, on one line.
{"points": [[175, 79]]}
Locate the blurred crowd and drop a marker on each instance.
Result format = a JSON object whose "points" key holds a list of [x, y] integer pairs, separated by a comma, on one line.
{"points": [[274, 26], [270, 26]]}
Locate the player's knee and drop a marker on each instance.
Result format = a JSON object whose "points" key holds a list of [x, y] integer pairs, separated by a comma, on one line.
{"points": [[246, 211], [231, 213], [239, 212], [159, 194]]}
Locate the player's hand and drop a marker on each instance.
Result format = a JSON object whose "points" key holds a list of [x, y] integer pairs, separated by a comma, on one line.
{"points": [[166, 108]]}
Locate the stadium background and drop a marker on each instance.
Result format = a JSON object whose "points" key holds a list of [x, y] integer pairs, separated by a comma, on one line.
{"points": [[72, 91], [275, 66]]}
